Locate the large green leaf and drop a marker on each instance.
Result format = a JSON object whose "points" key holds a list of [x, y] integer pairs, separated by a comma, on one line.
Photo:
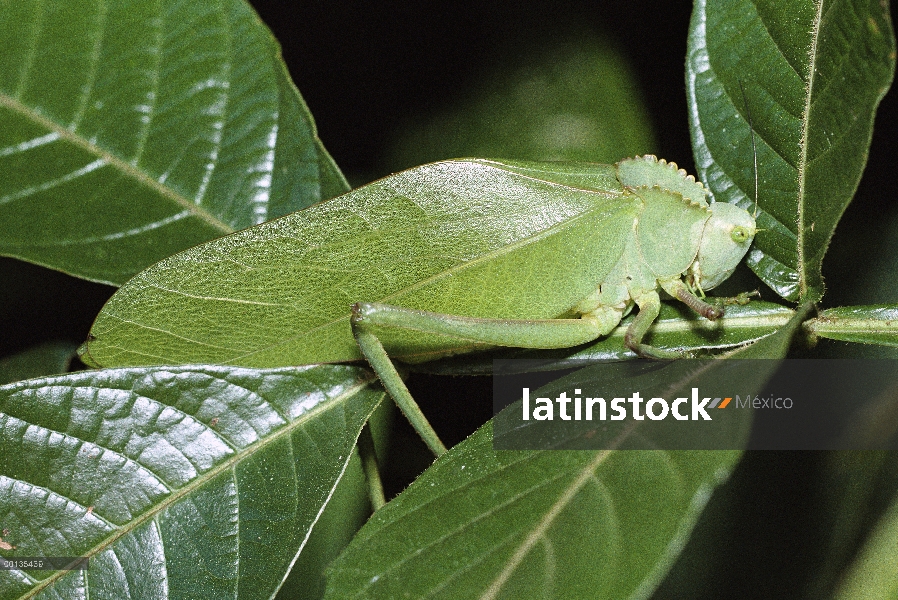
{"points": [[550, 524], [131, 130], [345, 513], [544, 523], [188, 482], [813, 74]]}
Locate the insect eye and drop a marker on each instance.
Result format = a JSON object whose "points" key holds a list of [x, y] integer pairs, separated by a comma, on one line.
{"points": [[740, 234]]}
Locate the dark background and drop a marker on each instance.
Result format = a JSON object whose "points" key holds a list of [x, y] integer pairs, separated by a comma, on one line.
{"points": [[364, 68]]}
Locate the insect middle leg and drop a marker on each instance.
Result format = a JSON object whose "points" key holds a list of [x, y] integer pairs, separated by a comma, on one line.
{"points": [[649, 304]]}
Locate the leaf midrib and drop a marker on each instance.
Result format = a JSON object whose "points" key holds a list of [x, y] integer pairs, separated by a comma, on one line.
{"points": [[117, 163], [587, 472], [200, 480], [803, 157]]}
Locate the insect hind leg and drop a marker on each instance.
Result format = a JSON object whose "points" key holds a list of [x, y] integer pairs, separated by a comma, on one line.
{"points": [[369, 318]]}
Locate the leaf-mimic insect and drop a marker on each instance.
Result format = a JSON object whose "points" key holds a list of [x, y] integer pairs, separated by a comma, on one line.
{"points": [[438, 260]]}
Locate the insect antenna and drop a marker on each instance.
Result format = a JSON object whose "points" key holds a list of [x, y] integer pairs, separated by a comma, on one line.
{"points": [[754, 150]]}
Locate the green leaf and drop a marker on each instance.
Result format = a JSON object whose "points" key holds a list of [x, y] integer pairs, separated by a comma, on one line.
{"points": [[813, 75], [873, 575], [132, 130], [575, 101], [852, 493], [345, 513], [48, 358], [876, 324], [187, 482], [554, 524], [557, 524]]}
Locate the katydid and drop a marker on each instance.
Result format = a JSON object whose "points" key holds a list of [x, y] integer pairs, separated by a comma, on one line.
{"points": [[443, 259]]}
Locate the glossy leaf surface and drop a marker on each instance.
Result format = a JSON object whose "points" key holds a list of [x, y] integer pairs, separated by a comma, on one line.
{"points": [[187, 482], [345, 513], [562, 524], [132, 130], [813, 74], [550, 524]]}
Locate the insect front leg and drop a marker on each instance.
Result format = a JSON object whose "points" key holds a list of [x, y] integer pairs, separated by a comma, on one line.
{"points": [[678, 289]]}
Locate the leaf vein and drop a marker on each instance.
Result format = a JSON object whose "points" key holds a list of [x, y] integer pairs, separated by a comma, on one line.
{"points": [[229, 463]]}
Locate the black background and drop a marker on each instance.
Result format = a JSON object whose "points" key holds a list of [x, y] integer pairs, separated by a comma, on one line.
{"points": [[363, 68]]}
